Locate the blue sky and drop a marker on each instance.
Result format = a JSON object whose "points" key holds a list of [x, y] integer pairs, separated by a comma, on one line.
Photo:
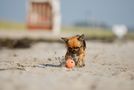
{"points": [[108, 11]]}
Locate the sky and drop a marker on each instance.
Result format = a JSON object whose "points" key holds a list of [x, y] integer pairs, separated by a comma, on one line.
{"points": [[108, 11]]}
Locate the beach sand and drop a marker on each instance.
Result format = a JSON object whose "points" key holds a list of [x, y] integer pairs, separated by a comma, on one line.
{"points": [[109, 66]]}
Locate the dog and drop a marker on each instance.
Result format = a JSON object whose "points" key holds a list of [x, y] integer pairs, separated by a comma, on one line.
{"points": [[76, 46]]}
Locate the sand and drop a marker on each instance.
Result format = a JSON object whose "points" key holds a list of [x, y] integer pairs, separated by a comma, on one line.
{"points": [[109, 66]]}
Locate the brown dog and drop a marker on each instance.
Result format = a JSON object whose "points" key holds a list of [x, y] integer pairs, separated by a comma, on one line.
{"points": [[76, 46]]}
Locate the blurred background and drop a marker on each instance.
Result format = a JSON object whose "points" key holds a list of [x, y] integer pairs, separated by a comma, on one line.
{"points": [[103, 20], [32, 52]]}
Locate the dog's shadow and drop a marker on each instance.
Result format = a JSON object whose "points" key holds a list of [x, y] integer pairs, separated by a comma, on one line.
{"points": [[60, 64], [49, 65]]}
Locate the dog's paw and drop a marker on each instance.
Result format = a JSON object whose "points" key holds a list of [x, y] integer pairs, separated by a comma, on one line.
{"points": [[80, 64]]}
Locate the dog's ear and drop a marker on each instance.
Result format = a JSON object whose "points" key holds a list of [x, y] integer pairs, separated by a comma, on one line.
{"points": [[77, 35], [65, 39], [81, 37], [84, 44]]}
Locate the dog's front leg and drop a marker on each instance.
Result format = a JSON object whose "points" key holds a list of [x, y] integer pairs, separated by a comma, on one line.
{"points": [[81, 62]]}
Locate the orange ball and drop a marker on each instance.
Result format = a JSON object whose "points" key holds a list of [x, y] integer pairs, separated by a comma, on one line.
{"points": [[70, 63]]}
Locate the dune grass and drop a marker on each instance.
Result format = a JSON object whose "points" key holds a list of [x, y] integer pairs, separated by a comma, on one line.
{"points": [[130, 36], [7, 25], [104, 34]]}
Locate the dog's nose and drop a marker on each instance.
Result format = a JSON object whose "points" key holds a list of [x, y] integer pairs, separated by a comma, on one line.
{"points": [[73, 51]]}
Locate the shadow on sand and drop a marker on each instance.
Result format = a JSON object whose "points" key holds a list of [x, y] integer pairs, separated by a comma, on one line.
{"points": [[48, 65]]}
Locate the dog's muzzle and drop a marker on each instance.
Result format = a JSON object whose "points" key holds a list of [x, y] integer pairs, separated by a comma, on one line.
{"points": [[74, 50]]}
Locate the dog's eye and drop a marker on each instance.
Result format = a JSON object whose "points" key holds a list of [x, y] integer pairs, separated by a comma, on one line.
{"points": [[73, 48], [76, 47], [69, 48]]}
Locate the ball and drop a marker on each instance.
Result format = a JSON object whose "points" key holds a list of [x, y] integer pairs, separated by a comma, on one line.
{"points": [[70, 63]]}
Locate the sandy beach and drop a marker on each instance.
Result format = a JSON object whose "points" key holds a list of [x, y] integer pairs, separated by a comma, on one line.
{"points": [[109, 66]]}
